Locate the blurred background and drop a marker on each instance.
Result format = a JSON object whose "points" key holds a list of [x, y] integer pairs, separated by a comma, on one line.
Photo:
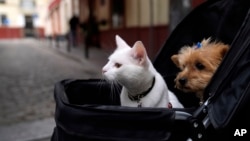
{"points": [[45, 41]]}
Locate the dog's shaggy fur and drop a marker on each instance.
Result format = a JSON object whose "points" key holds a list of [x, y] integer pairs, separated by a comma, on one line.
{"points": [[198, 65]]}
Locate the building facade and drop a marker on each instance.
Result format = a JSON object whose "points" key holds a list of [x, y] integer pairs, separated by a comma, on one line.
{"points": [[22, 18], [145, 20], [59, 14]]}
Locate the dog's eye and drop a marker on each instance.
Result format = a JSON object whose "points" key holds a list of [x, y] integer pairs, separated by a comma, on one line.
{"points": [[199, 66], [118, 65], [183, 66]]}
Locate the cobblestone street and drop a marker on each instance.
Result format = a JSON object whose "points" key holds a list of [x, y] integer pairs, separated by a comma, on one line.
{"points": [[29, 70]]}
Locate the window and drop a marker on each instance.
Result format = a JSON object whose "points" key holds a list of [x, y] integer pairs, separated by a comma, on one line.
{"points": [[178, 10], [103, 2], [117, 13], [27, 4], [4, 20], [2, 1]]}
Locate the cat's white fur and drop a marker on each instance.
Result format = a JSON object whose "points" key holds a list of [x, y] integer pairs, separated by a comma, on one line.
{"points": [[132, 68]]}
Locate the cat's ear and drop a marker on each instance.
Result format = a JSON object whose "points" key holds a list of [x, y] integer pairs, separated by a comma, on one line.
{"points": [[139, 53], [120, 42]]}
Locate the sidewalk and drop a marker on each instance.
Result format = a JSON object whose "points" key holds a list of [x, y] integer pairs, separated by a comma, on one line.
{"points": [[97, 56], [39, 130], [42, 129]]}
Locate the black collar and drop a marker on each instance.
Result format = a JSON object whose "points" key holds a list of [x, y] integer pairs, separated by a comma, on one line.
{"points": [[137, 97]]}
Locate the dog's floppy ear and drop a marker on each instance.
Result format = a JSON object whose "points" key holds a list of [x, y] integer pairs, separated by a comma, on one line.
{"points": [[175, 59], [223, 50]]}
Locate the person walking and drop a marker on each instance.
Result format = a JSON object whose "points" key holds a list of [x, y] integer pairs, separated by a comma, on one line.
{"points": [[73, 25]]}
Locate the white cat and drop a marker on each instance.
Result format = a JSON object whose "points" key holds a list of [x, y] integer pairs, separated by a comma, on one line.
{"points": [[142, 85]]}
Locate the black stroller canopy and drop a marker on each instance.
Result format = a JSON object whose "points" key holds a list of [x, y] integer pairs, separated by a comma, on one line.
{"points": [[219, 19]]}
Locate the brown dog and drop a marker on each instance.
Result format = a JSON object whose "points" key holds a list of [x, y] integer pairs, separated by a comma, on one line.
{"points": [[198, 64]]}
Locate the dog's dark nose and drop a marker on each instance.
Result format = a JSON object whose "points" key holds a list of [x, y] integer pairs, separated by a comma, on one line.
{"points": [[183, 81]]}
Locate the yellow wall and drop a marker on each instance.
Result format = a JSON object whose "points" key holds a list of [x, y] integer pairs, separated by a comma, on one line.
{"points": [[103, 13], [161, 12], [131, 13], [138, 12]]}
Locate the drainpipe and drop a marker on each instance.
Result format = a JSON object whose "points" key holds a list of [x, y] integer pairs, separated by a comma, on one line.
{"points": [[138, 18], [151, 30]]}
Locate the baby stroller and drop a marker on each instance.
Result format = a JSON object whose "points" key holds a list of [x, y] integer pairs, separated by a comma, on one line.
{"points": [[86, 109]]}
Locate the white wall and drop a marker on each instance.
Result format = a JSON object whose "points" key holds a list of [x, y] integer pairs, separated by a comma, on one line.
{"points": [[65, 15]]}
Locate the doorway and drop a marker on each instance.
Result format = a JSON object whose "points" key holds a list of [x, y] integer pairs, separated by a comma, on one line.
{"points": [[29, 27]]}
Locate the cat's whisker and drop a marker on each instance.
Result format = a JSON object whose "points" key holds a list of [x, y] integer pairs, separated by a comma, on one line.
{"points": [[117, 89], [112, 90], [111, 86], [100, 84]]}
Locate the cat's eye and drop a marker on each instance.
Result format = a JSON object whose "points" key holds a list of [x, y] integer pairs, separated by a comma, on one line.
{"points": [[118, 65], [199, 66]]}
